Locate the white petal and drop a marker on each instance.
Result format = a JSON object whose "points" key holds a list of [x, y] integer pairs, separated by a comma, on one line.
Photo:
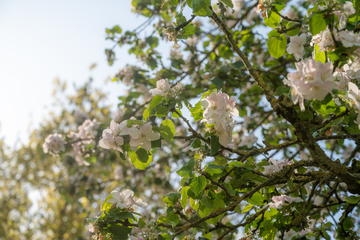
{"points": [[102, 144], [134, 133], [153, 136]]}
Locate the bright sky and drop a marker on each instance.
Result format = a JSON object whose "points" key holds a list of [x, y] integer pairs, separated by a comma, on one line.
{"points": [[41, 40]]}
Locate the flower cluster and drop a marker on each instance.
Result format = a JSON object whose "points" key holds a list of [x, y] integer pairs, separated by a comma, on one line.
{"points": [[85, 136], [164, 89], [279, 201], [125, 199], [276, 166], [126, 75], [296, 46], [312, 80], [220, 110], [112, 138], [54, 144]]}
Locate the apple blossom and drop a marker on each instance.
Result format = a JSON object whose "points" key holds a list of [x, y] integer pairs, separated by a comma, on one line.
{"points": [[352, 68], [220, 109], [122, 199], [248, 140], [348, 8], [279, 201], [162, 87], [313, 80], [349, 38], [296, 46], [142, 137], [324, 39], [175, 54], [118, 174], [54, 144], [354, 95], [276, 166], [111, 138]]}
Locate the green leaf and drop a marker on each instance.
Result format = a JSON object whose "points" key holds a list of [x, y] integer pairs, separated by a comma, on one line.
{"points": [[184, 196], [138, 163], [353, 199], [317, 23], [306, 115], [162, 111], [273, 20], [154, 103], [119, 232], [141, 223], [197, 111], [146, 114], [187, 169], [218, 82], [173, 218], [247, 208], [117, 214], [198, 184], [214, 145], [256, 199], [193, 204], [214, 169], [319, 56], [171, 199], [201, 8], [196, 143], [91, 159], [236, 164], [156, 144], [276, 44], [227, 3], [348, 224], [167, 130], [142, 155], [106, 205], [292, 32], [279, 6], [218, 203], [189, 30], [152, 41]]}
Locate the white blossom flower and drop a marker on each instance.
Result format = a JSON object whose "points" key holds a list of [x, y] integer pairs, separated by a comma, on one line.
{"points": [[122, 199], [296, 46], [162, 87], [175, 54], [276, 166], [142, 137], [279, 201], [139, 202], [352, 68], [349, 38], [118, 173], [54, 144], [248, 140], [111, 138], [313, 80], [353, 94], [220, 110], [348, 8], [192, 41]]}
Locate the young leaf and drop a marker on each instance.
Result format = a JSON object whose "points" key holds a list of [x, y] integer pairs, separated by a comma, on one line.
{"points": [[167, 130], [317, 23], [198, 184], [277, 45]]}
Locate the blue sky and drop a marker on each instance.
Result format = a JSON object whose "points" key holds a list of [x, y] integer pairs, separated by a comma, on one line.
{"points": [[41, 40]]}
